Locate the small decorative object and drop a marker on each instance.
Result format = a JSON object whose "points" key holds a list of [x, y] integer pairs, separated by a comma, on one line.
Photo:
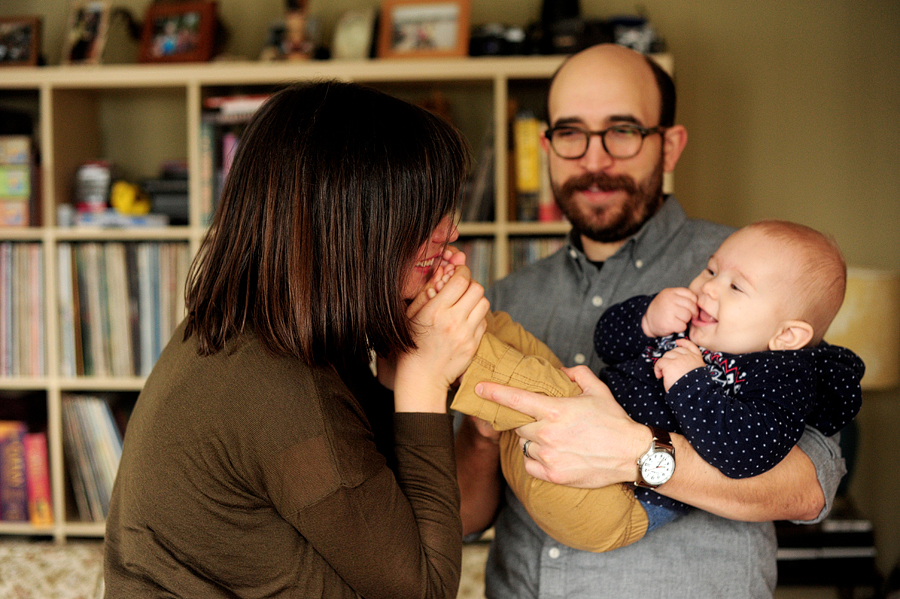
{"points": [[293, 37], [179, 32], [354, 34], [20, 41], [424, 28], [92, 182], [86, 33], [296, 44]]}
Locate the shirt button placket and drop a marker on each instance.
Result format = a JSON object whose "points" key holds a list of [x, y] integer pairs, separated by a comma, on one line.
{"points": [[553, 574]]}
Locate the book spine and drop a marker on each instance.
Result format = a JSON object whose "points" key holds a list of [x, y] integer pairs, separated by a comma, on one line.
{"points": [[207, 170], [6, 303], [67, 306], [526, 137], [37, 473], [13, 484]]}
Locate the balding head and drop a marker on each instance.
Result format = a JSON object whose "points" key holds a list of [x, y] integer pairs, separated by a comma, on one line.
{"points": [[616, 72]]}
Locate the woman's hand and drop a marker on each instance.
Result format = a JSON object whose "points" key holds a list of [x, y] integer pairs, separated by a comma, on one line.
{"points": [[448, 318]]}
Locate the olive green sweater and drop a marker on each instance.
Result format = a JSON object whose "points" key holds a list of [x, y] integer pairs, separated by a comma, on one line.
{"points": [[249, 475]]}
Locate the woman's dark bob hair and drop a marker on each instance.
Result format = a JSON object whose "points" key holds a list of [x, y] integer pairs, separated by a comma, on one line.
{"points": [[334, 188]]}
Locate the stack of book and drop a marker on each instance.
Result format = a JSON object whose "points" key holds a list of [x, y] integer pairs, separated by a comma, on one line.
{"points": [[24, 475], [93, 448], [18, 185], [21, 317], [119, 304]]}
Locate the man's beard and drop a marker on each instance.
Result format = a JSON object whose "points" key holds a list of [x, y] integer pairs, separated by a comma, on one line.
{"points": [[611, 223]]}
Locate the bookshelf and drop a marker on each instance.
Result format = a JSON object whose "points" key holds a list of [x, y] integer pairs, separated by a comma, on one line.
{"points": [[140, 116]]}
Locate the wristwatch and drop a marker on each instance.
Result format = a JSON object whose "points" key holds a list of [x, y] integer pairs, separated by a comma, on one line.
{"points": [[658, 464]]}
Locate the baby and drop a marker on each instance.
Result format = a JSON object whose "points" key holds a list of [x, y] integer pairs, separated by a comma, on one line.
{"points": [[735, 363]]}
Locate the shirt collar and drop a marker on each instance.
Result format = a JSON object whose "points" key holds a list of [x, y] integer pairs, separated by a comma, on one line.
{"points": [[644, 245]]}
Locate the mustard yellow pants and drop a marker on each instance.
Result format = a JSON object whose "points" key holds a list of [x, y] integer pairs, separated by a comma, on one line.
{"points": [[588, 519]]}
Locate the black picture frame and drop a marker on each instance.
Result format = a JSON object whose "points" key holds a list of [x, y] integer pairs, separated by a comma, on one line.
{"points": [[20, 41]]}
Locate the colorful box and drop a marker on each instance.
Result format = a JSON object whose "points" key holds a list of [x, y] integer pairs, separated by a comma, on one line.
{"points": [[14, 212], [15, 180], [15, 149]]}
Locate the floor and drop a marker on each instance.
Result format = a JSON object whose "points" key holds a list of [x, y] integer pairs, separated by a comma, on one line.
{"points": [[44, 570], [31, 570]]}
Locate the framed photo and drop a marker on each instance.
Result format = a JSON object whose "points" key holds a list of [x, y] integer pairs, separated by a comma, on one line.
{"points": [[86, 32], [179, 32], [354, 34], [424, 28], [20, 41]]}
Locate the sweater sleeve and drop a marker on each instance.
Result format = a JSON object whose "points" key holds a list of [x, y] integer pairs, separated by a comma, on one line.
{"points": [[386, 533], [618, 335], [743, 416]]}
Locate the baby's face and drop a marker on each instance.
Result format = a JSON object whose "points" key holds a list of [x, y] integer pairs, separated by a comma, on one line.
{"points": [[743, 295]]}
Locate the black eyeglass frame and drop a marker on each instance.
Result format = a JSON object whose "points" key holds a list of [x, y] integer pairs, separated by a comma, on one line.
{"points": [[644, 132]]}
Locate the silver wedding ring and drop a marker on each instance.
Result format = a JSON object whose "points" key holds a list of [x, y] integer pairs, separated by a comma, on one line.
{"points": [[525, 449]]}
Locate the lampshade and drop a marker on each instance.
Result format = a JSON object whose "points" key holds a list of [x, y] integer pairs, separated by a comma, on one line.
{"points": [[869, 324]]}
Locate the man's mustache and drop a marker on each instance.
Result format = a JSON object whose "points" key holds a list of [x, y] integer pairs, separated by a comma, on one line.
{"points": [[601, 181]]}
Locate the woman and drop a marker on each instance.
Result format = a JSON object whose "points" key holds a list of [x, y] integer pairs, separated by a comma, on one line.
{"points": [[262, 457]]}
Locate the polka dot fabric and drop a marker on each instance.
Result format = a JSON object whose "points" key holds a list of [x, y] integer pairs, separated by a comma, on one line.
{"points": [[742, 413]]}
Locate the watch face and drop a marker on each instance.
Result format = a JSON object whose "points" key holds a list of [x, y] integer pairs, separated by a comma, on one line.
{"points": [[658, 468]]}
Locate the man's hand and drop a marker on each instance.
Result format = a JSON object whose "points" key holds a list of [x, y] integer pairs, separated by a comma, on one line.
{"points": [[586, 441]]}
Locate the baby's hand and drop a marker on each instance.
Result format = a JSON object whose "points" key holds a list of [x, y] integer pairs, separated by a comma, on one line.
{"points": [[677, 362], [670, 312]]}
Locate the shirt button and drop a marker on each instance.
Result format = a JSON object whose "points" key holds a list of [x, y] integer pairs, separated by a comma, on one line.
{"points": [[597, 301], [554, 552], [573, 253], [579, 358], [639, 263]]}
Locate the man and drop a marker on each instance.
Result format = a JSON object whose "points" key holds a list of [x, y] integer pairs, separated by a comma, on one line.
{"points": [[611, 138]]}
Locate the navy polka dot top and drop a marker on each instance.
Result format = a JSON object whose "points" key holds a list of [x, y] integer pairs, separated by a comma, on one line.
{"points": [[742, 413]]}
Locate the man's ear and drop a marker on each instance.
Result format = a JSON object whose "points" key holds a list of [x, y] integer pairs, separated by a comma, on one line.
{"points": [[674, 140], [791, 334], [545, 143]]}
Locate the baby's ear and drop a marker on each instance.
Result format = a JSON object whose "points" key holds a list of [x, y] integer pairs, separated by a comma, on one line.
{"points": [[791, 334]]}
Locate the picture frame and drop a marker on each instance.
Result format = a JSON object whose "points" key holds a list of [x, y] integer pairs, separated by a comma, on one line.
{"points": [[354, 34], [86, 32], [179, 32], [20, 41], [424, 28]]}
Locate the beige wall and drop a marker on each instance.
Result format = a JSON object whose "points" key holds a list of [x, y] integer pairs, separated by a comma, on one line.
{"points": [[793, 110]]}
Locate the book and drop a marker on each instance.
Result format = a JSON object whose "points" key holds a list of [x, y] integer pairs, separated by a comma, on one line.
{"points": [[134, 314], [37, 476], [118, 309], [6, 308], [526, 139], [93, 446], [68, 347], [13, 484], [548, 209], [234, 109]]}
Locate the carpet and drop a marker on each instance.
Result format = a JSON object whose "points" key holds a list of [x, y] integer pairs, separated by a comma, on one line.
{"points": [[46, 570]]}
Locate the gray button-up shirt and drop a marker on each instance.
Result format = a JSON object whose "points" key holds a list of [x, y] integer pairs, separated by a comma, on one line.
{"points": [[560, 299]]}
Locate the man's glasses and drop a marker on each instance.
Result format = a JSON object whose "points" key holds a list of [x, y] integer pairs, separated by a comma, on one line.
{"points": [[620, 141]]}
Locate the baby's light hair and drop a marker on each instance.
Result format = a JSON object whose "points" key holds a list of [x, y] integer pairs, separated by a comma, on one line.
{"points": [[821, 272]]}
